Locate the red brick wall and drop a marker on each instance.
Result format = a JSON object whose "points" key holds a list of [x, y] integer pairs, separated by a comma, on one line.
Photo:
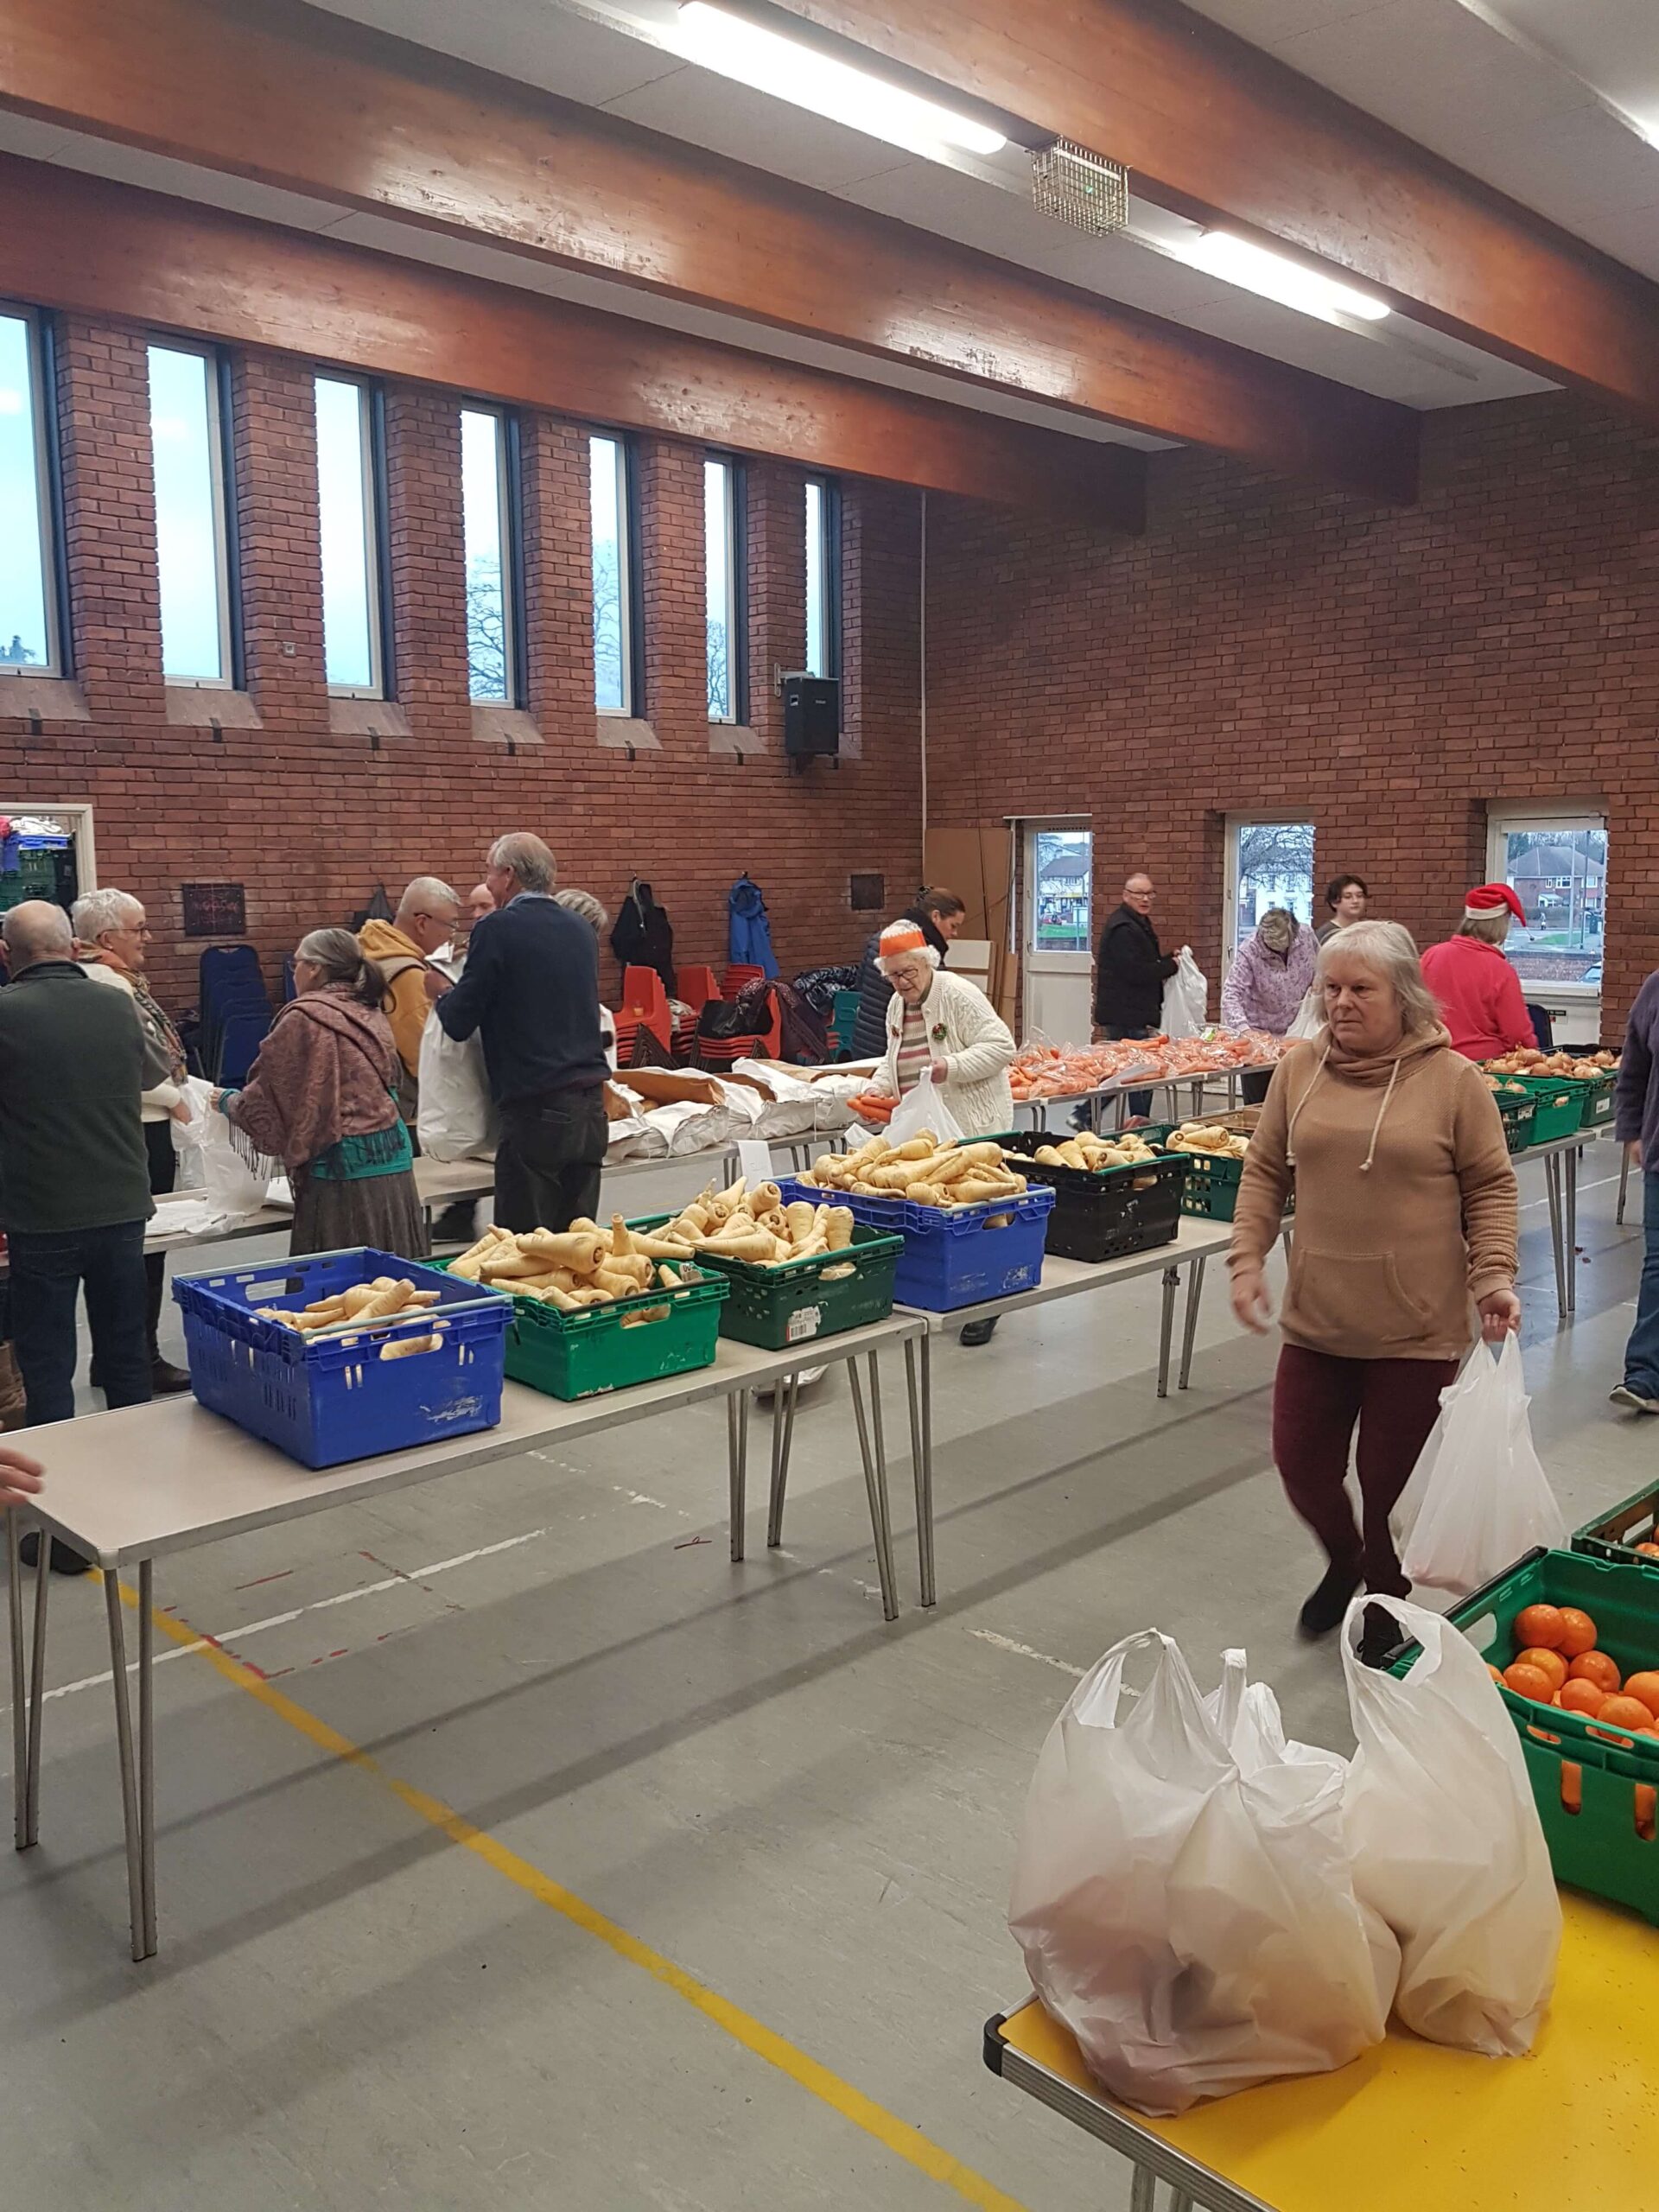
{"points": [[310, 820], [1385, 674]]}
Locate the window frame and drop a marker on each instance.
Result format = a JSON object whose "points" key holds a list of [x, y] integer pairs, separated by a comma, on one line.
{"points": [[510, 522], [40, 342], [1232, 825], [221, 473], [1501, 819], [830, 612], [371, 420], [735, 504], [629, 576]]}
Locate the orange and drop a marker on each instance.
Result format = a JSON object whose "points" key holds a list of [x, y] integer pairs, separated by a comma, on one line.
{"points": [[1648, 1551], [1646, 1687], [1496, 1672], [1536, 1624], [1627, 1713], [1578, 1632], [1647, 1806], [1547, 1662], [1581, 1696], [1595, 1667], [1526, 1681]]}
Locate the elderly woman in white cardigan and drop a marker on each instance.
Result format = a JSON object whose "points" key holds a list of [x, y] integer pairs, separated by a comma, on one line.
{"points": [[942, 1030]]}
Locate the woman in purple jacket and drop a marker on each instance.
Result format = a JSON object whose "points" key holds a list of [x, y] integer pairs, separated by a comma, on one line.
{"points": [[1266, 985], [1636, 1104]]}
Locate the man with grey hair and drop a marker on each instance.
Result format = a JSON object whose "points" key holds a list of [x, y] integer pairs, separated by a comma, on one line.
{"points": [[74, 1181], [428, 915], [530, 990]]}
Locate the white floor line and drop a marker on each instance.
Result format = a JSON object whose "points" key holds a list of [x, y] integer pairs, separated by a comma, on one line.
{"points": [[1600, 1183], [230, 1638], [1019, 1650]]}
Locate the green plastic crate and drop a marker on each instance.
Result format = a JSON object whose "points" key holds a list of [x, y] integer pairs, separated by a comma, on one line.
{"points": [[802, 1300], [602, 1348], [1211, 1187], [1636, 1520], [1517, 1112], [1559, 1105], [1600, 1846], [1598, 1101]]}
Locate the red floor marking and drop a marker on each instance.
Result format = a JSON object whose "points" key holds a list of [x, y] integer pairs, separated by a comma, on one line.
{"points": [[261, 1580]]}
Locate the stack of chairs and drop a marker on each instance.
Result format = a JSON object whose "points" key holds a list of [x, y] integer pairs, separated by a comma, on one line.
{"points": [[236, 1011]]}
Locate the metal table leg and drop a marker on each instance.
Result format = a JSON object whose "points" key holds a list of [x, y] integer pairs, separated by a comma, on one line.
{"points": [[1623, 1183], [737, 1465], [1143, 2190], [875, 1480], [1181, 2201], [19, 1690], [36, 1690], [1570, 1166], [137, 1792], [1194, 1293], [783, 1436], [1166, 1329], [921, 1453], [1553, 1192]]}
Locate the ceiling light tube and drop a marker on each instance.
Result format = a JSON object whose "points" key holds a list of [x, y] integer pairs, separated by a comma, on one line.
{"points": [[791, 70], [1238, 261]]}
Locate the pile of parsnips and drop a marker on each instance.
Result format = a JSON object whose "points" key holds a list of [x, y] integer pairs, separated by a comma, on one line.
{"points": [[737, 1224], [345, 1312], [1205, 1137], [1094, 1154], [922, 1169]]}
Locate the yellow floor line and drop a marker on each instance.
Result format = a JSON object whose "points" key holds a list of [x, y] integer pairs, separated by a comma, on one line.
{"points": [[894, 2134]]}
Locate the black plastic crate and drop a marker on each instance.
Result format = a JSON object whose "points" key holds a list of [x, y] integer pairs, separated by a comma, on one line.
{"points": [[1107, 1212]]}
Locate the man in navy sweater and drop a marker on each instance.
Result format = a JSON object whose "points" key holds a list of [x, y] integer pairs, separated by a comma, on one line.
{"points": [[530, 988]]}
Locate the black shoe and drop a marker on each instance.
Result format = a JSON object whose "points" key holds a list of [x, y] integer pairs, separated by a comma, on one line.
{"points": [[455, 1224], [66, 1560], [1380, 1637], [166, 1380], [1324, 1609], [979, 1332]]}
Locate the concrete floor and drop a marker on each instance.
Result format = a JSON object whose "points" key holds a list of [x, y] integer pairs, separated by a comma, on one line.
{"points": [[701, 1787]]}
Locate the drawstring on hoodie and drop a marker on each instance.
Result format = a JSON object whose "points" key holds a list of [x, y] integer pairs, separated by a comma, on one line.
{"points": [[1376, 1126]]}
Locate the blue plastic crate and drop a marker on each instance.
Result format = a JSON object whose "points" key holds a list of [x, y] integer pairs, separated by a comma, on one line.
{"points": [[325, 1401], [956, 1257]]}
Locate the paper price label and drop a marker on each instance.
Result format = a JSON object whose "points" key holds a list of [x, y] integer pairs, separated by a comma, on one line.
{"points": [[755, 1162]]}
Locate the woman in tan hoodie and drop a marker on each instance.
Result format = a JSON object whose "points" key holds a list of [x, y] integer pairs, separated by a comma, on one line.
{"points": [[1405, 1214]]}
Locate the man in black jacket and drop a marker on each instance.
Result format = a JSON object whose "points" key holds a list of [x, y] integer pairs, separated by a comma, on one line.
{"points": [[1131, 968], [530, 986]]}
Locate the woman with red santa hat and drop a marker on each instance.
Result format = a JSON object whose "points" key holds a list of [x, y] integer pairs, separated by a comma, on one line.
{"points": [[1480, 993]]}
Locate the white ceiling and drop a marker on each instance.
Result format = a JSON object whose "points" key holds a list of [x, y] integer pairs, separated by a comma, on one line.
{"points": [[1449, 73]]}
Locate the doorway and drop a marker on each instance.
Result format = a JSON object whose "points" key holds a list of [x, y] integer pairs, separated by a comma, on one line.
{"points": [[1269, 863], [42, 871], [1056, 937]]}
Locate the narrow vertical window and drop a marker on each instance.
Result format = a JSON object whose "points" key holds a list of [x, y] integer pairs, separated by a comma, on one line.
{"points": [[616, 688], [29, 596], [348, 470], [193, 539], [724, 590], [489, 519], [823, 578]]}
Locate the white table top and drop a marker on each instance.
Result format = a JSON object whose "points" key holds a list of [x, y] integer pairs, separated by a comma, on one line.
{"points": [[1195, 1239], [169, 1476]]}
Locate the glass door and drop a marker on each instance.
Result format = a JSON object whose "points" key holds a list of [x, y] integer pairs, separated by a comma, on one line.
{"points": [[1058, 944], [1556, 864], [1268, 864]]}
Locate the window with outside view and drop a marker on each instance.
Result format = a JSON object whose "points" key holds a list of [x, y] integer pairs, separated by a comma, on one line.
{"points": [[351, 559], [27, 560], [722, 586], [1559, 871], [1271, 864], [192, 543], [608, 480], [487, 532], [1062, 862]]}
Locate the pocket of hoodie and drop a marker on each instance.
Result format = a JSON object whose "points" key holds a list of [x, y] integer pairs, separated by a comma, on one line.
{"points": [[1354, 1294]]}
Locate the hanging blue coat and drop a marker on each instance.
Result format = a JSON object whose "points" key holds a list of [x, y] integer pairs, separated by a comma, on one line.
{"points": [[749, 944]]}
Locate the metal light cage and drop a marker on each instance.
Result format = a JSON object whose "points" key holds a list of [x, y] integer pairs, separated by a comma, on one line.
{"points": [[1084, 189]]}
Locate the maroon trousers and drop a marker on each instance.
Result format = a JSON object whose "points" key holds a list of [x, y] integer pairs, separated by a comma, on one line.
{"points": [[1316, 1401]]}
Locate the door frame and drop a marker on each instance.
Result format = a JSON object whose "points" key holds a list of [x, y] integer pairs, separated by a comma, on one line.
{"points": [[1025, 829], [1500, 820], [77, 817], [1230, 824]]}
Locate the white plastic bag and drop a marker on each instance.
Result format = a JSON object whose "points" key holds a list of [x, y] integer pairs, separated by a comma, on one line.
{"points": [[1186, 997], [1194, 1924], [1478, 1498], [1447, 1842], [234, 1180], [1308, 1014], [924, 1107], [455, 1118]]}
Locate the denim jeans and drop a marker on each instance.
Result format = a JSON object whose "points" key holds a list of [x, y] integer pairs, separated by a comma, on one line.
{"points": [[48, 1272], [1642, 1353]]}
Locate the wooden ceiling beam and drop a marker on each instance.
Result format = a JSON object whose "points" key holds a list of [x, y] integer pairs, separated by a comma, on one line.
{"points": [[290, 95], [77, 243], [1219, 130]]}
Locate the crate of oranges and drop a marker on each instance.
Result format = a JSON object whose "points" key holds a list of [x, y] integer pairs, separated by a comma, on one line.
{"points": [[1573, 1643], [1630, 1532]]}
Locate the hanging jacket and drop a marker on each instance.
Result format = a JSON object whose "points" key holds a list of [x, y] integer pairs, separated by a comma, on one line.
{"points": [[643, 936], [749, 939]]}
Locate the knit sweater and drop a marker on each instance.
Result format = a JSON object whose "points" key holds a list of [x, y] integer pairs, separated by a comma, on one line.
{"points": [[326, 1071], [969, 1040], [1405, 1198], [1479, 996], [1264, 989]]}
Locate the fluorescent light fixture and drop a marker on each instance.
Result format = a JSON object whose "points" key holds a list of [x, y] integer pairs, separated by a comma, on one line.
{"points": [[1236, 260], [803, 74]]}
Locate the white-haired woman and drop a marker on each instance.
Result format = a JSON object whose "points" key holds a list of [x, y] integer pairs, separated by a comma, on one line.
{"points": [[1477, 992], [322, 1097], [593, 911], [112, 936], [1405, 1213]]}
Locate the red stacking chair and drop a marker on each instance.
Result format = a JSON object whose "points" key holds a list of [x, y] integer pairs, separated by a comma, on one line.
{"points": [[695, 986], [733, 982], [644, 1000]]}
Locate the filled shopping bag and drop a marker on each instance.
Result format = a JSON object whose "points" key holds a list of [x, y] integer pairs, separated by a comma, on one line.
{"points": [[1309, 1014], [233, 1178], [1447, 1844], [1186, 1908], [1478, 1498], [456, 1117], [1186, 997], [924, 1107]]}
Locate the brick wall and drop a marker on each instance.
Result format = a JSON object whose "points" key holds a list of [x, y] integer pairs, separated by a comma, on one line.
{"points": [[1384, 674], [309, 815]]}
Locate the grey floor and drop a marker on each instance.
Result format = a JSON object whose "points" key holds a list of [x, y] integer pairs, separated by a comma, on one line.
{"points": [[788, 1804]]}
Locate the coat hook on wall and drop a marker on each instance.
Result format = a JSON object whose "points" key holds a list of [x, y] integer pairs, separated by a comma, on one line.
{"points": [[216, 727]]}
